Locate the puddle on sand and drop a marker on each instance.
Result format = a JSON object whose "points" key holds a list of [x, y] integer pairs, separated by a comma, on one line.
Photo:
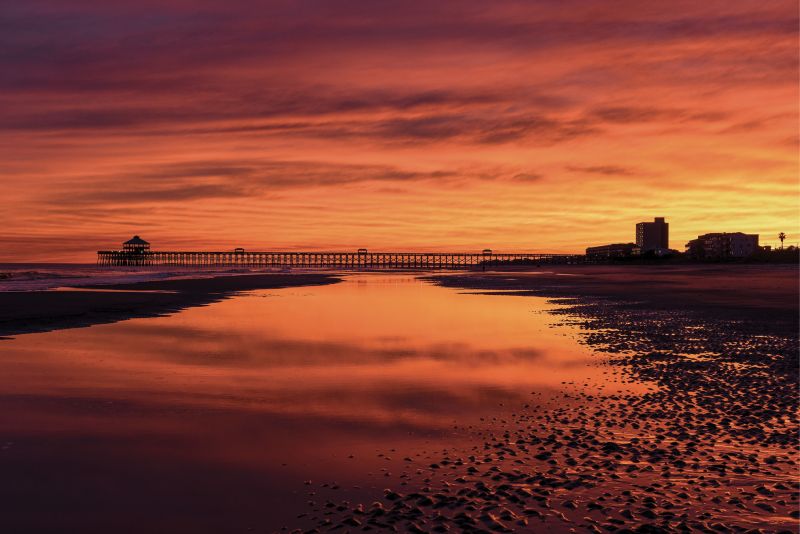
{"points": [[211, 419]]}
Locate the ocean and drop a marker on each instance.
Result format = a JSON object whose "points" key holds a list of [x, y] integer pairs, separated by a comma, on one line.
{"points": [[44, 276]]}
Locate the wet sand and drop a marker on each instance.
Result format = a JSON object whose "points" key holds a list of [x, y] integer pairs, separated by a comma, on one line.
{"points": [[211, 419], [713, 448], [42, 311], [729, 291]]}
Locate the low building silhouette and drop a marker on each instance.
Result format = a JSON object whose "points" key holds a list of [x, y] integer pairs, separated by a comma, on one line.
{"points": [[613, 251], [653, 235], [722, 245]]}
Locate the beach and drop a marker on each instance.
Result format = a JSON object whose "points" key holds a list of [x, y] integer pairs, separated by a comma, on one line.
{"points": [[592, 398], [425, 267]]}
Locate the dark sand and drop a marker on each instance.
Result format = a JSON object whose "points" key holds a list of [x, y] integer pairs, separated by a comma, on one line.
{"points": [[733, 290], [41, 311], [714, 448]]}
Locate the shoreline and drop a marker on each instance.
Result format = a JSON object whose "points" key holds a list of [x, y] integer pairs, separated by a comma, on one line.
{"points": [[26, 312]]}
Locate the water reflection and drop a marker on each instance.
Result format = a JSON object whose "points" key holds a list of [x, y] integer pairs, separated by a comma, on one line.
{"points": [[211, 419]]}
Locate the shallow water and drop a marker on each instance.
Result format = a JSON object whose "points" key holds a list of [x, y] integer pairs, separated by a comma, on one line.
{"points": [[213, 418]]}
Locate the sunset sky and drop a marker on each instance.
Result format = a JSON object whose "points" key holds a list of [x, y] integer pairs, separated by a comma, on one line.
{"points": [[416, 125]]}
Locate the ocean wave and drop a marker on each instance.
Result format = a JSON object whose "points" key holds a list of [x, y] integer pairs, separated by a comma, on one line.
{"points": [[38, 275], [65, 275]]}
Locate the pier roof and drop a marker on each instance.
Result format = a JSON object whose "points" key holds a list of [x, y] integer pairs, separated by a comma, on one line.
{"points": [[136, 241]]}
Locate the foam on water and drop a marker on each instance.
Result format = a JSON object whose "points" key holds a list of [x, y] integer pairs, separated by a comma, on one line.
{"points": [[43, 276]]}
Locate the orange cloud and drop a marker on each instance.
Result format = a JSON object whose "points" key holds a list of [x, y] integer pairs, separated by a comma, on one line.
{"points": [[543, 126]]}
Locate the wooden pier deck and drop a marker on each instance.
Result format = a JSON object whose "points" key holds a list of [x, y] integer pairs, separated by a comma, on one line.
{"points": [[332, 260]]}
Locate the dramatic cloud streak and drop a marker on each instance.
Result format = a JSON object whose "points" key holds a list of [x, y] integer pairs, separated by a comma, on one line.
{"points": [[531, 125]]}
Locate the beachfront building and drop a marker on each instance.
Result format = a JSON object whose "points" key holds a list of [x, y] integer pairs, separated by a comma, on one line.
{"points": [[653, 236], [722, 245], [610, 252]]}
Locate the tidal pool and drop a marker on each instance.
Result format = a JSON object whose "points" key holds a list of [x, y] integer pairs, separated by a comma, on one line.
{"points": [[213, 419]]}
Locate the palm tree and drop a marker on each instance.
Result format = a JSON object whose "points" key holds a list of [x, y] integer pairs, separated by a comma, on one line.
{"points": [[781, 236]]}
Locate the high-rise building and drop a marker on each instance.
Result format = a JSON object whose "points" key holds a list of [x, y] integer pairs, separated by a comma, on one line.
{"points": [[653, 235]]}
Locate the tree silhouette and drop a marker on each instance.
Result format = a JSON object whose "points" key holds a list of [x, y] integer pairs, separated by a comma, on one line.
{"points": [[781, 236]]}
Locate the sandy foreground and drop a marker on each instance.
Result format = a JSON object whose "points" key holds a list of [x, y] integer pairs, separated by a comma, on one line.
{"points": [[713, 449]]}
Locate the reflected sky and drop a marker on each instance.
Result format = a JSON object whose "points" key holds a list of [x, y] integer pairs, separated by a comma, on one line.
{"points": [[212, 418]]}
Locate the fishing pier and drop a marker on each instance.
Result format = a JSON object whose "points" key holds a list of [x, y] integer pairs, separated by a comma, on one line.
{"points": [[136, 252]]}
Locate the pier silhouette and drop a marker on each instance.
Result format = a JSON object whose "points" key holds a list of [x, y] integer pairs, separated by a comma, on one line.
{"points": [[141, 255]]}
